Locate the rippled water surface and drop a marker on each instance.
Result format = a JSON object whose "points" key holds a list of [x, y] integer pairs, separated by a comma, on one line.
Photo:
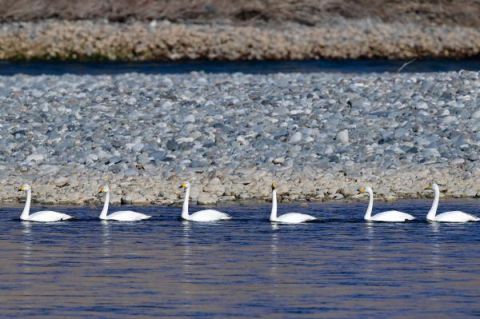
{"points": [[340, 267], [251, 67]]}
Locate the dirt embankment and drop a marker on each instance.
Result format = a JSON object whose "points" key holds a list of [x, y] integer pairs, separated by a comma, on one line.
{"points": [[137, 30]]}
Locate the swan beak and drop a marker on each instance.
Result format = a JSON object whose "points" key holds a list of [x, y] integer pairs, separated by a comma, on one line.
{"points": [[274, 186], [20, 188], [101, 190], [361, 190], [184, 185]]}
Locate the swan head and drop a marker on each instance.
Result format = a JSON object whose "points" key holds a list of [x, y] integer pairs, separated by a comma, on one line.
{"points": [[363, 190], [103, 189], [434, 187], [24, 187], [185, 185], [274, 186]]}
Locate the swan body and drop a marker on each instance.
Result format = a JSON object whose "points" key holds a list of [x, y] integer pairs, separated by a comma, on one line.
{"points": [[126, 216], [447, 217], [121, 216], [41, 216], [206, 215], [46, 216], [288, 218], [293, 218], [392, 216], [455, 216]]}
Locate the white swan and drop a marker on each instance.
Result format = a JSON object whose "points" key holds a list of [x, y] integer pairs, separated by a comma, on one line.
{"points": [[207, 215], [288, 218], [42, 216], [447, 217], [121, 216], [388, 216]]}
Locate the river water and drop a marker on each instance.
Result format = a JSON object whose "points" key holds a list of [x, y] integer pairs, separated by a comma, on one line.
{"points": [[251, 67], [339, 267]]}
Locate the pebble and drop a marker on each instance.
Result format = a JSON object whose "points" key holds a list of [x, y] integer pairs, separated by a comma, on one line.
{"points": [[296, 138], [35, 158], [189, 119], [279, 160], [342, 136]]}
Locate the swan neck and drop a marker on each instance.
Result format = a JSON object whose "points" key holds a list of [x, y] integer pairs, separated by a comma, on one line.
{"points": [[26, 209], [433, 210], [185, 203], [273, 214], [103, 214], [368, 213]]}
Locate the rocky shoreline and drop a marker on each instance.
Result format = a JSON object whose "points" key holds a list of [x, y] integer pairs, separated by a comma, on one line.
{"points": [[162, 40], [320, 136]]}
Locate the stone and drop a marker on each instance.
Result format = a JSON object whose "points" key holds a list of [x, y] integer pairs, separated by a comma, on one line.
{"points": [[189, 119], [61, 182], [206, 199], [342, 136], [278, 160], [35, 158], [295, 138]]}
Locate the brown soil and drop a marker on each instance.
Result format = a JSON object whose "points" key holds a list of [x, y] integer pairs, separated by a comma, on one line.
{"points": [[307, 12]]}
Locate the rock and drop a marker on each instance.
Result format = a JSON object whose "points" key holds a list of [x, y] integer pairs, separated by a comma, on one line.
{"points": [[35, 158], [206, 199], [296, 138], [242, 140], [422, 106], [61, 182], [214, 186], [476, 115], [278, 160], [130, 172], [342, 136], [189, 119]]}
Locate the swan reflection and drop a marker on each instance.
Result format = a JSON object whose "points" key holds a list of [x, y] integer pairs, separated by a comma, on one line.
{"points": [[106, 239], [27, 243]]}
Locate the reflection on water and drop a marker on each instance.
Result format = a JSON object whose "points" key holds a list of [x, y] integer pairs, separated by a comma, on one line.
{"points": [[27, 244], [274, 250], [186, 258], [340, 267], [370, 246], [105, 239]]}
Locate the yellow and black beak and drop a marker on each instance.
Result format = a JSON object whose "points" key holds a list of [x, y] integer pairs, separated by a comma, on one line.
{"points": [[362, 190], [274, 186], [183, 185]]}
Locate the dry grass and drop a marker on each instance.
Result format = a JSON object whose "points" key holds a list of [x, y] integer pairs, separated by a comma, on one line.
{"points": [[307, 12]]}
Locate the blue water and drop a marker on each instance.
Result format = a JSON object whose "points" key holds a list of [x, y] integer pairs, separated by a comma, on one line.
{"points": [[251, 67], [340, 267]]}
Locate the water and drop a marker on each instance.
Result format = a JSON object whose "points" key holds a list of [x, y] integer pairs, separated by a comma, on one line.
{"points": [[340, 267], [252, 67]]}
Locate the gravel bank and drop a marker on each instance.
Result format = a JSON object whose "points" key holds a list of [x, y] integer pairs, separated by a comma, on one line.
{"points": [[140, 41], [319, 136]]}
